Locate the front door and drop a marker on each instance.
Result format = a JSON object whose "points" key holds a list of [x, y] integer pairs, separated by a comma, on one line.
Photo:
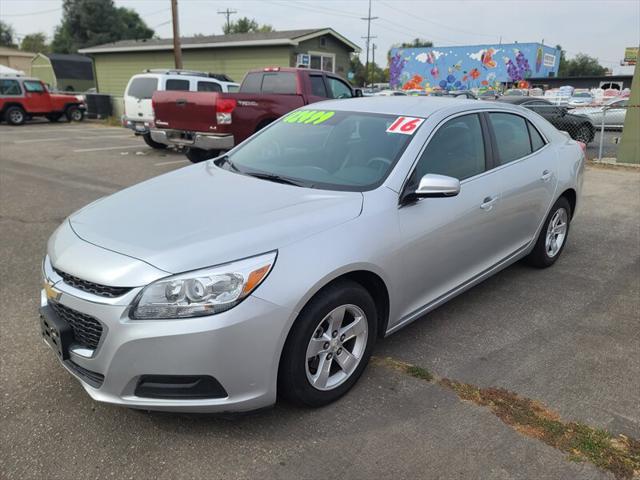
{"points": [[37, 99], [448, 241]]}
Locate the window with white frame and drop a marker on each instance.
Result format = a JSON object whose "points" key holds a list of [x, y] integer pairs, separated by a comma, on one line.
{"points": [[323, 61]]}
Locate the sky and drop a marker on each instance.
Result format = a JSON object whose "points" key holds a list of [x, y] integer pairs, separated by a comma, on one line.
{"points": [[599, 28]]}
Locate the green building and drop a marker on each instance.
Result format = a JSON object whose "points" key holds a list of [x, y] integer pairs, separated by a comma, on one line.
{"points": [[69, 73], [233, 55]]}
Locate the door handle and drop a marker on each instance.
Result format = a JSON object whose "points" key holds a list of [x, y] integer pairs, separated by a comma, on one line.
{"points": [[546, 175], [487, 203]]}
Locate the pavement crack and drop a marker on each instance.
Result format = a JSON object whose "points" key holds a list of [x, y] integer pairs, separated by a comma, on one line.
{"points": [[618, 454]]}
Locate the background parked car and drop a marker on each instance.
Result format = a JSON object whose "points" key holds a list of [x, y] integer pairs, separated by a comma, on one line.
{"points": [[581, 98], [579, 127], [22, 98], [390, 93], [138, 111], [613, 112]]}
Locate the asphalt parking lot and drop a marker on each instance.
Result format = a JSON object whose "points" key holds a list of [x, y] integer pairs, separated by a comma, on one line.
{"points": [[568, 337]]}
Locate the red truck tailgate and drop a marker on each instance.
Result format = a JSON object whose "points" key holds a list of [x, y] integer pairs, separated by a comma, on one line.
{"points": [[187, 111]]}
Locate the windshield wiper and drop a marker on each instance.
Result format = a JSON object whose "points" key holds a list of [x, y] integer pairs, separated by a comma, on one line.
{"points": [[272, 177], [225, 159]]}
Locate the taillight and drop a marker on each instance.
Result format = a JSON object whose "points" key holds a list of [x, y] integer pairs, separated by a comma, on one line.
{"points": [[271, 69], [224, 108]]}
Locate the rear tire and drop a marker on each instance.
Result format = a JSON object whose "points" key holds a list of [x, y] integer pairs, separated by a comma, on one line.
{"points": [[553, 236], [15, 115], [335, 334], [152, 143], [584, 134], [74, 114], [197, 155]]}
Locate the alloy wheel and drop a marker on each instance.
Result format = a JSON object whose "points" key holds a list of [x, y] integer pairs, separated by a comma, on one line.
{"points": [[556, 232], [336, 347], [16, 116]]}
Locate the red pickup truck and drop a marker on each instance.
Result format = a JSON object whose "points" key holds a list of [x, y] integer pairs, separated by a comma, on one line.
{"points": [[22, 98], [209, 123]]}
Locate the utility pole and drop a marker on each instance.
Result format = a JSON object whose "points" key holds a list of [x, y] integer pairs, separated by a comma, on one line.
{"points": [[227, 13], [177, 52], [368, 18], [373, 62]]}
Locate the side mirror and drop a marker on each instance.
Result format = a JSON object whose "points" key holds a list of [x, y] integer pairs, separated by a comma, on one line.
{"points": [[431, 186], [358, 92]]}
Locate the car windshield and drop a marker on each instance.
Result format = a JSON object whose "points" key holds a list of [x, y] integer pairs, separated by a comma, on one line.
{"points": [[333, 150]]}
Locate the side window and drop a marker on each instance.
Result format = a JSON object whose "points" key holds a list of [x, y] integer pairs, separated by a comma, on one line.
{"points": [[317, 86], [512, 136], [10, 87], [338, 89], [142, 87], [456, 150], [33, 86], [209, 87], [179, 85], [537, 142], [252, 83]]}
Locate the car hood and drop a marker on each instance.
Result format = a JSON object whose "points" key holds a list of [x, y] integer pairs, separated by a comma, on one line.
{"points": [[203, 215]]}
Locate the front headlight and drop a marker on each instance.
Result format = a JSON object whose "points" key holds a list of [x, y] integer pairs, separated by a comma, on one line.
{"points": [[202, 292]]}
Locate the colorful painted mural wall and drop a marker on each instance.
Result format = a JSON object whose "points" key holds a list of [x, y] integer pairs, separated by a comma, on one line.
{"points": [[479, 67]]}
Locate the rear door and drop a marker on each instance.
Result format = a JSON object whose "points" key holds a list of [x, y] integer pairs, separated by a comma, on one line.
{"points": [[525, 170], [137, 98]]}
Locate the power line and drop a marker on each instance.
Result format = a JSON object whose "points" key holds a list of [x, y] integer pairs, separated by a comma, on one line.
{"points": [[227, 13], [30, 14]]}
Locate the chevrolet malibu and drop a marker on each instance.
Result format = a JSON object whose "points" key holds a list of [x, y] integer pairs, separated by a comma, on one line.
{"points": [[272, 270]]}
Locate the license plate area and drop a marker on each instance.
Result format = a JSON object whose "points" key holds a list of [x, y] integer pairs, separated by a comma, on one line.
{"points": [[56, 332], [182, 137], [139, 127]]}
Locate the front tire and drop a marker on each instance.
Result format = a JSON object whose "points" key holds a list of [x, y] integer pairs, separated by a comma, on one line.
{"points": [[553, 236], [197, 155], [584, 134], [152, 143], [74, 114], [329, 345], [15, 115]]}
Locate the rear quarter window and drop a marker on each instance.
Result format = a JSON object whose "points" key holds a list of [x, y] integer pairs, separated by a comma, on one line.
{"points": [[209, 87], [142, 87], [252, 83], [512, 136], [10, 87]]}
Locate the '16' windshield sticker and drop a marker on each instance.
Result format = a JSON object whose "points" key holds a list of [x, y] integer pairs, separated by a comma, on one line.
{"points": [[405, 125], [313, 117]]}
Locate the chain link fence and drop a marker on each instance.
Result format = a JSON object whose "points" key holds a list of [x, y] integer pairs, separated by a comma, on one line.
{"points": [[600, 127]]}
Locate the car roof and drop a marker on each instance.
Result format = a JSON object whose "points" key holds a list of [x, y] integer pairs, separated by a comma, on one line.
{"points": [[518, 100], [400, 105]]}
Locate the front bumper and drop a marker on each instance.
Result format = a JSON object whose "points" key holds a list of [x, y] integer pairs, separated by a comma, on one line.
{"points": [[203, 141], [239, 348]]}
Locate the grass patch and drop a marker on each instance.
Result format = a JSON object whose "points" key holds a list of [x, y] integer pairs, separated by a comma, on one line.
{"points": [[617, 454]]}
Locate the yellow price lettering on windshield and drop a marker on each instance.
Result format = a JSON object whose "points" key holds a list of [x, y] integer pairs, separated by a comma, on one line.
{"points": [[313, 117]]}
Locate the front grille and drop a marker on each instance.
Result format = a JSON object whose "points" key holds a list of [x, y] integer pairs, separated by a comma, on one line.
{"points": [[90, 287], [86, 329]]}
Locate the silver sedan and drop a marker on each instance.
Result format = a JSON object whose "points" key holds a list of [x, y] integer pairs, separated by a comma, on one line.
{"points": [[275, 268], [612, 113]]}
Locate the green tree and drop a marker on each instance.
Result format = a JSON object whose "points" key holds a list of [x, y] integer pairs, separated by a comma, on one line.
{"points": [[376, 73], [562, 67], [583, 65], [35, 42], [415, 43], [86, 23], [6, 35], [245, 25]]}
